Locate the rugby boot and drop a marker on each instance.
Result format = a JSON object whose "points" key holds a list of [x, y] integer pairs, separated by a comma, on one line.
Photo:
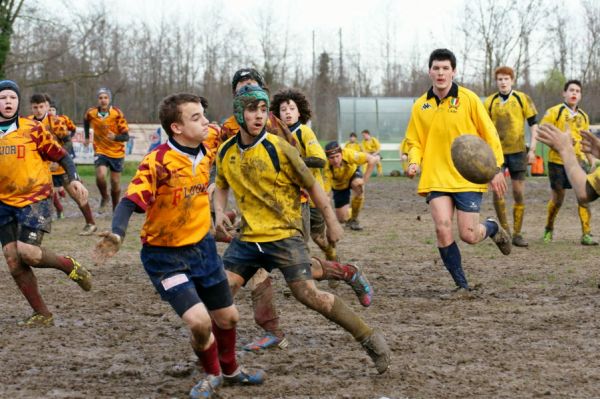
{"points": [[547, 236], [501, 238], [37, 320], [519, 241], [244, 377], [587, 239], [378, 350], [267, 341], [353, 224], [80, 275], [60, 215], [103, 205], [207, 387], [88, 230]]}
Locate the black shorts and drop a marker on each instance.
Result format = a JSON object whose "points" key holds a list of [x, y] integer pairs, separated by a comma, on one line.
{"points": [[317, 221], [341, 198], [289, 255], [27, 224], [516, 164], [59, 180], [558, 177], [114, 164]]}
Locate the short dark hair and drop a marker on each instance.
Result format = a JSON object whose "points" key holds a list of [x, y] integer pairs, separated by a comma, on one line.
{"points": [[169, 110], [352, 134], [295, 95], [573, 82], [38, 98], [366, 131], [442, 54]]}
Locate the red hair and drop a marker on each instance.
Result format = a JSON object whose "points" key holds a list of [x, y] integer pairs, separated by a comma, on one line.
{"points": [[505, 70]]}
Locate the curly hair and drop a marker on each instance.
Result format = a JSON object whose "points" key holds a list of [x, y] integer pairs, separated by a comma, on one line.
{"points": [[285, 95]]}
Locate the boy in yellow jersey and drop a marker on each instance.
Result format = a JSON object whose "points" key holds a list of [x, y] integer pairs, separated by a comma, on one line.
{"points": [[371, 145], [266, 174], [40, 106], [345, 176], [439, 116], [353, 143], [509, 109], [586, 187], [111, 132], [25, 214], [178, 253], [571, 119]]}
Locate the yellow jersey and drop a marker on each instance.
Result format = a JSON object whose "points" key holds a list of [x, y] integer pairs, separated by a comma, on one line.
{"points": [[371, 146], [25, 149], [266, 178], [340, 177], [509, 117], [114, 122], [309, 147], [433, 126], [353, 146], [564, 117], [171, 187]]}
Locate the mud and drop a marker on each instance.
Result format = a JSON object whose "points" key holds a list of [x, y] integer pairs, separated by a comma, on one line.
{"points": [[531, 330]]}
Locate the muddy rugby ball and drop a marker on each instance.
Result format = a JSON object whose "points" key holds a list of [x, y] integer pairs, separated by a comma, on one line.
{"points": [[474, 159]]}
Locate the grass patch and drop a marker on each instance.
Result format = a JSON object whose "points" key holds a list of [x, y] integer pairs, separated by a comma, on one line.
{"points": [[128, 170]]}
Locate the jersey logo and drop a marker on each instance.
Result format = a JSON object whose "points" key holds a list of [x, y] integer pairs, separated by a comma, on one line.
{"points": [[425, 106], [453, 105]]}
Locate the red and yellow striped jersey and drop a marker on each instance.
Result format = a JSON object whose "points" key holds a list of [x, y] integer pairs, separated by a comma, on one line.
{"points": [[25, 150], [171, 187], [114, 123], [58, 128]]}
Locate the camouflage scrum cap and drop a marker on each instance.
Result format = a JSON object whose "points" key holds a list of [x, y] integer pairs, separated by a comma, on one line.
{"points": [[246, 96]]}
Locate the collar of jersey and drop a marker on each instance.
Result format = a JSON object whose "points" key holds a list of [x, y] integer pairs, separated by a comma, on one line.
{"points": [[452, 93], [14, 126], [257, 141], [295, 127], [179, 149], [576, 111]]}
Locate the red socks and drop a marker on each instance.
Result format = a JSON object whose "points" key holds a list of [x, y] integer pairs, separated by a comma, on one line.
{"points": [[209, 359], [226, 344]]}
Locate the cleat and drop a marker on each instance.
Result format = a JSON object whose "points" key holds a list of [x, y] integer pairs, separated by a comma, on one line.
{"points": [[207, 387], [266, 342], [243, 377], [378, 350], [353, 224], [519, 241], [80, 275], [88, 230], [587, 239], [501, 238], [103, 205], [37, 320], [547, 236], [60, 215], [361, 287]]}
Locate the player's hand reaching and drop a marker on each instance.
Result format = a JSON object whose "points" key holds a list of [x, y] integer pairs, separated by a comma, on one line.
{"points": [[555, 138], [79, 190], [413, 170], [334, 232], [498, 184], [223, 225], [590, 143], [107, 247]]}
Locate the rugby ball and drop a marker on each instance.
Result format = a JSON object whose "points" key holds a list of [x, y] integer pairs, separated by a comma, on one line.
{"points": [[474, 159]]}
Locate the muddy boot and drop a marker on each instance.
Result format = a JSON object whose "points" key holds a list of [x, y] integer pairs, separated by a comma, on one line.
{"points": [[378, 350], [501, 238]]}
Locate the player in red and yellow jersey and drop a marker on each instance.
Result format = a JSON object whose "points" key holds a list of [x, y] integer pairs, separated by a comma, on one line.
{"points": [[111, 132], [40, 105], [509, 109], [371, 145], [445, 112], [25, 214], [266, 174], [570, 119], [179, 255], [345, 176]]}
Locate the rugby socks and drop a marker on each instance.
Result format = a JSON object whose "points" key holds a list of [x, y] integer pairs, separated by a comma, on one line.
{"points": [[518, 212], [585, 215], [226, 346], [552, 212], [50, 259], [500, 207], [330, 252], [333, 270], [27, 283], [453, 262], [491, 228], [345, 317], [86, 211], [356, 205], [209, 359], [265, 312], [379, 169], [114, 196], [57, 203]]}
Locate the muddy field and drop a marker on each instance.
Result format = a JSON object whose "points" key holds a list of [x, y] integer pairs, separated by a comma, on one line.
{"points": [[531, 331]]}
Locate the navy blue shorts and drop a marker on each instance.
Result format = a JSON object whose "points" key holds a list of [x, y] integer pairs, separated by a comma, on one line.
{"points": [[558, 177], [59, 180], [114, 164], [467, 201], [342, 197], [27, 224], [516, 164], [289, 255], [186, 276]]}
